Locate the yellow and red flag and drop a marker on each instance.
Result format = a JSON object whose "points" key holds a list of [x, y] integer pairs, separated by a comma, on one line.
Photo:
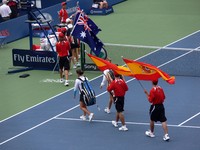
{"points": [[104, 64], [144, 71]]}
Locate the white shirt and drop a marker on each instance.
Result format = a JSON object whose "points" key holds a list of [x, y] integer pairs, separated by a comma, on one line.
{"points": [[77, 85], [104, 80], [5, 10]]}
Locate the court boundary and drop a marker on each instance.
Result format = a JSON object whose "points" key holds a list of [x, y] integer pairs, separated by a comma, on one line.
{"points": [[30, 129]]}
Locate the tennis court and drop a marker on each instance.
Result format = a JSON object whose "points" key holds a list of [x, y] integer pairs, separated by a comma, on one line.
{"points": [[55, 124]]}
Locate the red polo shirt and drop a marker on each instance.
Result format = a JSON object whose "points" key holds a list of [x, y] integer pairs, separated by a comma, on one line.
{"points": [[118, 86], [63, 15], [157, 95], [62, 48]]}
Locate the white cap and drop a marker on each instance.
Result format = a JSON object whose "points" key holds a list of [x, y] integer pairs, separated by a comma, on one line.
{"points": [[68, 20], [70, 26], [4, 1]]}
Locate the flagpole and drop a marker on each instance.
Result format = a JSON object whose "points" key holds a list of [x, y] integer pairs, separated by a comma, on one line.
{"points": [[136, 79], [75, 23], [141, 85]]}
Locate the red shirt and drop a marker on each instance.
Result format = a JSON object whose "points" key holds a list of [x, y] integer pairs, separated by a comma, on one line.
{"points": [[63, 15], [119, 87], [62, 48], [157, 95]]}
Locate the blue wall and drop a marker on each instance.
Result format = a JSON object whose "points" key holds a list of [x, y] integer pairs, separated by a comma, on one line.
{"points": [[17, 28]]}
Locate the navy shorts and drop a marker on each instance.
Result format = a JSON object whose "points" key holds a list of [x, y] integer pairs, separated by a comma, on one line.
{"points": [[64, 63], [157, 113], [119, 103], [81, 98]]}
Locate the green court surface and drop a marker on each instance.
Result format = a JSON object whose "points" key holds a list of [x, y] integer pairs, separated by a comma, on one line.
{"points": [[144, 22]]}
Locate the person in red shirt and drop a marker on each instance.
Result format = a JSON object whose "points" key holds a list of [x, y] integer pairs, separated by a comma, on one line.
{"points": [[157, 111], [62, 48], [63, 14], [119, 87]]}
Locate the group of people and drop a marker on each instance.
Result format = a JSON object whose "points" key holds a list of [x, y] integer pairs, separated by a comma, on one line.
{"points": [[9, 9], [116, 85], [117, 88], [67, 47]]}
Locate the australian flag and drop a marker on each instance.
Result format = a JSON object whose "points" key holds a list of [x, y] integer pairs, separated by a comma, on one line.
{"points": [[95, 29], [85, 33]]}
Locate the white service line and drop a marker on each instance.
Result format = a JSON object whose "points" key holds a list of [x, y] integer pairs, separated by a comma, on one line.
{"points": [[37, 125], [128, 123], [189, 119]]}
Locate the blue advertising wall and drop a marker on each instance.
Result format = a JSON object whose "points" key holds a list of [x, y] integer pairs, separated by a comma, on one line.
{"points": [[17, 28], [45, 60]]}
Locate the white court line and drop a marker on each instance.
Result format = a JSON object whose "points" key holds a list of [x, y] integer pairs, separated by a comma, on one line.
{"points": [[62, 112], [51, 98], [128, 123], [189, 119], [179, 56], [45, 122], [37, 125], [151, 47], [48, 120]]}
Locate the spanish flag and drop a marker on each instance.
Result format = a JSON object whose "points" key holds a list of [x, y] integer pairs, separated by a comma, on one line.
{"points": [[144, 71], [104, 64]]}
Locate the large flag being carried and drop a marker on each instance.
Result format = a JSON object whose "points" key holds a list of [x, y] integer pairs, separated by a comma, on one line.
{"points": [[104, 64], [144, 71], [86, 30]]}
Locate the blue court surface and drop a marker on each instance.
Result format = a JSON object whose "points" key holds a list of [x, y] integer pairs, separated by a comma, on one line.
{"points": [[55, 124]]}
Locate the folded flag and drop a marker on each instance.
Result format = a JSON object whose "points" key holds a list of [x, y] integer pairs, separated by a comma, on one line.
{"points": [[144, 71]]}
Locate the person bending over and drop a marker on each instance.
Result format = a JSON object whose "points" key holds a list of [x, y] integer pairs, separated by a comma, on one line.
{"points": [[101, 3]]}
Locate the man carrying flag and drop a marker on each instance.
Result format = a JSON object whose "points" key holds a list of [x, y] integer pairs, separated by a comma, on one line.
{"points": [[157, 111], [120, 88]]}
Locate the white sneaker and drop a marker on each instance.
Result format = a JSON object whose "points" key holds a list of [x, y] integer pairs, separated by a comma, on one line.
{"points": [[62, 80], [70, 73], [114, 123], [66, 83], [107, 110], [78, 64], [83, 117], [166, 137], [74, 66], [91, 117], [149, 134], [123, 128]]}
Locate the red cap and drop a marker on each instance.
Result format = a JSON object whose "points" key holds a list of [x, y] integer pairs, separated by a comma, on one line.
{"points": [[61, 35], [63, 30], [63, 3]]}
